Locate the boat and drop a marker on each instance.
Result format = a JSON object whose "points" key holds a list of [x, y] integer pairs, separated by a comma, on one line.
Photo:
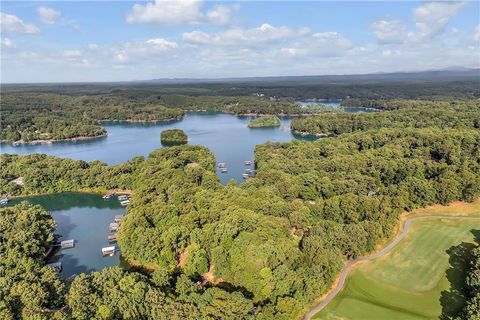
{"points": [[245, 175], [108, 251], [4, 201], [118, 218], [122, 197], [222, 165], [223, 170], [105, 197], [124, 202], [248, 162], [248, 170]]}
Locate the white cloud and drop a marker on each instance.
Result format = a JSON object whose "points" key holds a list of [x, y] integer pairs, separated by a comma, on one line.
{"points": [[432, 18], [12, 24], [178, 12], [133, 51], [265, 33], [48, 15], [389, 31], [476, 33], [6, 43], [71, 53], [319, 44]]}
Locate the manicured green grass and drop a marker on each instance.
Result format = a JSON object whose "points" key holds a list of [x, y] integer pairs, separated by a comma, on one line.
{"points": [[410, 282]]}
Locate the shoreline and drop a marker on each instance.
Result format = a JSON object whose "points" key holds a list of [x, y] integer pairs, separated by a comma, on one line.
{"points": [[50, 141], [98, 191]]}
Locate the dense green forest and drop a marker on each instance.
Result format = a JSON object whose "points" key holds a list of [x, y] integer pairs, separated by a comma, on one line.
{"points": [[263, 249], [421, 85], [406, 113], [28, 289], [264, 121], [176, 136]]}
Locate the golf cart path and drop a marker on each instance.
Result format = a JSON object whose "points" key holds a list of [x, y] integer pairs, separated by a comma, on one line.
{"points": [[341, 281]]}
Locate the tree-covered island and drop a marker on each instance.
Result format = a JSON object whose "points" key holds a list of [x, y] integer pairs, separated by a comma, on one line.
{"points": [[264, 122], [173, 136]]}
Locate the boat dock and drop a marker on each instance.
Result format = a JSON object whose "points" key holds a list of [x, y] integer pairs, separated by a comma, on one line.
{"points": [[57, 266], [112, 238], [108, 251], [113, 227], [66, 244]]}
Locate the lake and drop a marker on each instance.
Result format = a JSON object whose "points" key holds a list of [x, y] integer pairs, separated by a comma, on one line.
{"points": [[83, 217], [226, 135]]}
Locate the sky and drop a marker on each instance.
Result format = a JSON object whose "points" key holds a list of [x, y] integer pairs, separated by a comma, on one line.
{"points": [[89, 41]]}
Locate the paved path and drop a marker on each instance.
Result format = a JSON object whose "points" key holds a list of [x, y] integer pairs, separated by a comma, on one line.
{"points": [[378, 254]]}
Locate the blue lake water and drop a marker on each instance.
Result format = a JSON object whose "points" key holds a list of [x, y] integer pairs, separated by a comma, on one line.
{"points": [[85, 218], [227, 136]]}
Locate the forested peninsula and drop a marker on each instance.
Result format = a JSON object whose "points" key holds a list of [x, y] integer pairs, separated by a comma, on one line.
{"points": [[264, 249], [405, 114]]}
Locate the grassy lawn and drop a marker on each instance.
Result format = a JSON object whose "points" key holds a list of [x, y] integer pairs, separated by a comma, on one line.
{"points": [[416, 280]]}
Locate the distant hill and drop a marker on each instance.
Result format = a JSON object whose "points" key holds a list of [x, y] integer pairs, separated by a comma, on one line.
{"points": [[433, 75]]}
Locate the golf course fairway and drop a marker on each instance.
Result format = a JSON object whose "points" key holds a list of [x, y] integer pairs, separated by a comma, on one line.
{"points": [[415, 280]]}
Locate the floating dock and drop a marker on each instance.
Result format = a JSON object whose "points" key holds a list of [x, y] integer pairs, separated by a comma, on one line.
{"points": [[66, 244]]}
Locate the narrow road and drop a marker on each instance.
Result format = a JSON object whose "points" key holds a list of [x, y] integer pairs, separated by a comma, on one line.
{"points": [[341, 282]]}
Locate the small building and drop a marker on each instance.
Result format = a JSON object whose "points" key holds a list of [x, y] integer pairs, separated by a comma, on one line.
{"points": [[66, 244], [113, 226], [108, 251]]}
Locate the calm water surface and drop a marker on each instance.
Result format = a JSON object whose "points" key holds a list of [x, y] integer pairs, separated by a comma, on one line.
{"points": [[85, 218], [227, 136]]}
